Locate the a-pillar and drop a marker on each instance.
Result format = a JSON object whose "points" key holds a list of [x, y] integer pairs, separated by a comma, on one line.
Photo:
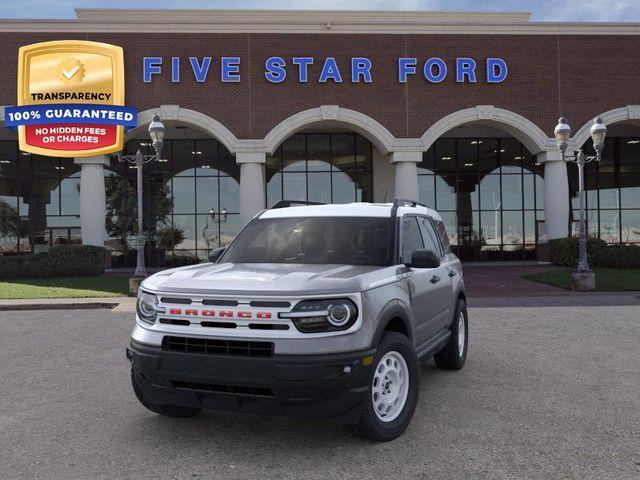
{"points": [[556, 194], [252, 193], [406, 173], [93, 208]]}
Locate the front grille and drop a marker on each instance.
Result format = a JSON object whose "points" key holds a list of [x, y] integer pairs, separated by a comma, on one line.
{"points": [[231, 389], [217, 346]]}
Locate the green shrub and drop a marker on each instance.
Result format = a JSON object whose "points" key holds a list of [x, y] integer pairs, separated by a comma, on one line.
{"points": [[564, 252], [61, 261]]}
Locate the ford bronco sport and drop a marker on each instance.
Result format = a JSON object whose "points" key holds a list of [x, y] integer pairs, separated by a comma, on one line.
{"points": [[315, 310]]}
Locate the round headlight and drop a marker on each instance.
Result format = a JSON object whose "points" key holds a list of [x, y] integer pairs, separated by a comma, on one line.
{"points": [[147, 306], [339, 314]]}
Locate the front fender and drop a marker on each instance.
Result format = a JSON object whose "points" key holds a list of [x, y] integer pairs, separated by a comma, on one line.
{"points": [[393, 310]]}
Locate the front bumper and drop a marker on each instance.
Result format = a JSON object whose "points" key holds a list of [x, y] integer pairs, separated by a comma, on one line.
{"points": [[317, 386]]}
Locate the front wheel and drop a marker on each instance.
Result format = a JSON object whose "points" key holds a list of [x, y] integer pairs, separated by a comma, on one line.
{"points": [[454, 354], [393, 390]]}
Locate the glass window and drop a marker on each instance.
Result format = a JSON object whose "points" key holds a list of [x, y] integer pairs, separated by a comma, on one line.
{"points": [[294, 186], [318, 153], [630, 190], [411, 238], [183, 157], [445, 194], [343, 151], [487, 156], [444, 239], [512, 192], [426, 189], [429, 236], [319, 240], [511, 155], [467, 154], [342, 188], [183, 195], [320, 167], [320, 186], [445, 156], [490, 197], [70, 196], [207, 195], [630, 226], [294, 154]]}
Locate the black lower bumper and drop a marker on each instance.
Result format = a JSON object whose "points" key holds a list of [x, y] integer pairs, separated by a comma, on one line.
{"points": [[317, 386]]}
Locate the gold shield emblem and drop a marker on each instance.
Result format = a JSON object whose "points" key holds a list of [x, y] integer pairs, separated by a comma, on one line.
{"points": [[71, 72]]}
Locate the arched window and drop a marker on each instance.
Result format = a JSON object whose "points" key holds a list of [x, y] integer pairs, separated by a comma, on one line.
{"points": [[320, 167]]}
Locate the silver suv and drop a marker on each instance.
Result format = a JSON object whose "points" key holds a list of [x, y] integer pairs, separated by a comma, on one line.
{"points": [[316, 310]]}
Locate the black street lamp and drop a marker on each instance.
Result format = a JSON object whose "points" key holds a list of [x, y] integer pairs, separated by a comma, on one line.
{"points": [[156, 133]]}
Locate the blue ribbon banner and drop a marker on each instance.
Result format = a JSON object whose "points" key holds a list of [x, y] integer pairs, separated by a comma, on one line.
{"points": [[70, 113]]}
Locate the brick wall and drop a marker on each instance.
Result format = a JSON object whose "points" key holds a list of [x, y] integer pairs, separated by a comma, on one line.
{"points": [[578, 76]]}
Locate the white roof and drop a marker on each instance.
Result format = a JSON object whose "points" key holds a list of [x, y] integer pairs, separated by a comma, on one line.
{"points": [[356, 209]]}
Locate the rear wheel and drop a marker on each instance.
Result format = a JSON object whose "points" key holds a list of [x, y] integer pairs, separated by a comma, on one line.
{"points": [[393, 390], [166, 410], [454, 354]]}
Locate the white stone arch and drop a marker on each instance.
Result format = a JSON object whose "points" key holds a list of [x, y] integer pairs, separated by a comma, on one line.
{"points": [[192, 117], [622, 114], [527, 132], [374, 131]]}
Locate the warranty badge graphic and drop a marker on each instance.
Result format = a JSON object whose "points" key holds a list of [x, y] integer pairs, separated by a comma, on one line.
{"points": [[71, 99]]}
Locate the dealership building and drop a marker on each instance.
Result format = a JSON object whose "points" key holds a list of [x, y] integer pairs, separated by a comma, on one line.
{"points": [[455, 110]]}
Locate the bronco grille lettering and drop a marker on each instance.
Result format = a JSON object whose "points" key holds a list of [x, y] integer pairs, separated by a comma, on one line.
{"points": [[193, 312]]}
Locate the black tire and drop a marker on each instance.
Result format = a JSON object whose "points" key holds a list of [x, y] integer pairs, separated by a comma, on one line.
{"points": [[166, 410], [450, 357], [370, 425]]}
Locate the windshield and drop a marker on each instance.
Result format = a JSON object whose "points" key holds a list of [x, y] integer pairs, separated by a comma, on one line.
{"points": [[318, 240]]}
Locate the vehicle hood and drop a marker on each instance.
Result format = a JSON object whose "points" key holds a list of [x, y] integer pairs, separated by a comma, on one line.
{"points": [[265, 279]]}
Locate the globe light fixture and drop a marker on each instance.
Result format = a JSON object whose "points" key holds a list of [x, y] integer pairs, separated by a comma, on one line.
{"points": [[562, 133], [598, 133]]}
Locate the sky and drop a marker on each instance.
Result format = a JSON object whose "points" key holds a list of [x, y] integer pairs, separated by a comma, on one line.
{"points": [[542, 10]]}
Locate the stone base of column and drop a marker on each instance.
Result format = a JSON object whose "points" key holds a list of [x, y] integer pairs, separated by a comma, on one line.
{"points": [[583, 281]]}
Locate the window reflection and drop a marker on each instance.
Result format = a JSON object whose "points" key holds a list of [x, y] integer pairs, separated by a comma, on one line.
{"points": [[612, 191], [490, 192], [320, 167]]}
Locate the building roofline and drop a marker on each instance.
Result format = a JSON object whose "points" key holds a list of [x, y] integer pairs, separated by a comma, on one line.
{"points": [[310, 21]]}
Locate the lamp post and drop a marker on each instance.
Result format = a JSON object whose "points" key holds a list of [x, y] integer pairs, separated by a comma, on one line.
{"points": [[156, 133], [562, 133]]}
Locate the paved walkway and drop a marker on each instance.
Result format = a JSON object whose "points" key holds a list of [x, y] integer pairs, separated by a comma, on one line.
{"points": [[507, 280]]}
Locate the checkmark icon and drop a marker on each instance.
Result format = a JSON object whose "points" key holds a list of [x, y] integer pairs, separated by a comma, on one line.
{"points": [[71, 73]]}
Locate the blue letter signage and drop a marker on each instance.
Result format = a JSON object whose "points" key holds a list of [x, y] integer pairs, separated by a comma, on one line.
{"points": [[429, 70]]}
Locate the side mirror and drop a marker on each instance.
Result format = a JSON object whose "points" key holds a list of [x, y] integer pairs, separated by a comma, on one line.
{"points": [[216, 253], [424, 259]]}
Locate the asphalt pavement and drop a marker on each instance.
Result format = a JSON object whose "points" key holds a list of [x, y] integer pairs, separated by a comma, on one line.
{"points": [[547, 393]]}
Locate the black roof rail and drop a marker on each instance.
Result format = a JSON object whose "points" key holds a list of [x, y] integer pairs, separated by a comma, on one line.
{"points": [[292, 203]]}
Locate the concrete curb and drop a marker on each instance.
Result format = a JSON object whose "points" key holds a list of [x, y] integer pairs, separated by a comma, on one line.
{"points": [[56, 306]]}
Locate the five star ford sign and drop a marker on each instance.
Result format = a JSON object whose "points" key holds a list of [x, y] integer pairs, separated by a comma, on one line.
{"points": [[71, 99]]}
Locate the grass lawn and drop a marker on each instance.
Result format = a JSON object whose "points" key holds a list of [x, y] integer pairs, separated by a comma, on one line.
{"points": [[69, 287], [607, 279]]}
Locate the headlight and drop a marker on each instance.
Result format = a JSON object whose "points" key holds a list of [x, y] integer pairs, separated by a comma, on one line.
{"points": [[312, 316], [147, 306]]}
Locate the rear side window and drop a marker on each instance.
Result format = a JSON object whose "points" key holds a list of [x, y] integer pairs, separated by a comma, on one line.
{"points": [[411, 238], [442, 233], [429, 236]]}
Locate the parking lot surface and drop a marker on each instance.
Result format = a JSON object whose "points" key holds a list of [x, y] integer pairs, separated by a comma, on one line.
{"points": [[547, 393]]}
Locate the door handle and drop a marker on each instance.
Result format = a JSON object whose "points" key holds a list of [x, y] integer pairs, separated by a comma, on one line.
{"points": [[452, 273], [435, 279]]}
